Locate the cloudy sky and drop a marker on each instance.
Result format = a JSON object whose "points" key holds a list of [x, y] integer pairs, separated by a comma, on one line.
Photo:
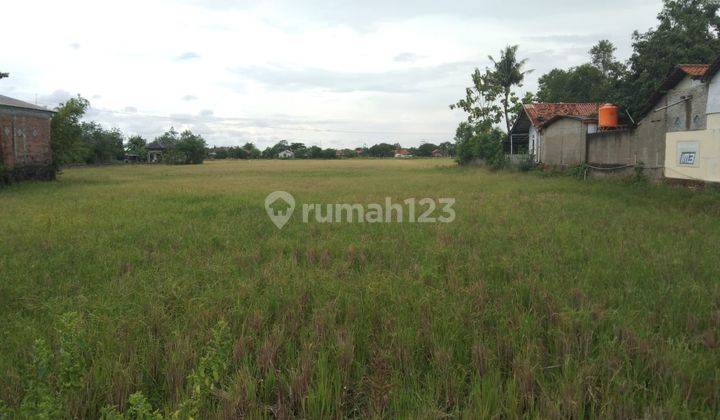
{"points": [[334, 73]]}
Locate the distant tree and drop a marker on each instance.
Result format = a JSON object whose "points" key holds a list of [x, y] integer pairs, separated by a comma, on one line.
{"points": [[507, 74], [382, 150], [315, 152], [300, 150], [193, 147], [137, 145], [4, 75], [66, 137], [102, 146], [426, 149], [251, 151]]}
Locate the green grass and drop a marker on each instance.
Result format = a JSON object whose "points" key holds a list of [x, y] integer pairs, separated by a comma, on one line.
{"points": [[547, 297]]}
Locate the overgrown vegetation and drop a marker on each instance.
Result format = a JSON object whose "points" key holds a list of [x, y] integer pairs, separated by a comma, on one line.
{"points": [[546, 298]]}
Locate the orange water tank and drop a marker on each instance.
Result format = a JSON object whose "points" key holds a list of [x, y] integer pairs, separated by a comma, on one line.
{"points": [[608, 116]]}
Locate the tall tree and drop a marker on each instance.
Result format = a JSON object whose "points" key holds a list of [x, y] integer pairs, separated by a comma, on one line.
{"points": [[67, 133], [480, 102], [687, 33], [508, 73], [603, 56]]}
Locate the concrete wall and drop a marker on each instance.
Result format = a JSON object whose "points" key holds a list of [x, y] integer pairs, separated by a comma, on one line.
{"points": [[563, 143], [645, 144], [713, 103], [706, 166], [691, 114], [24, 138]]}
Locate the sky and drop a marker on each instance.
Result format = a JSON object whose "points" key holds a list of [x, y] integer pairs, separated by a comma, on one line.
{"points": [[329, 73]]}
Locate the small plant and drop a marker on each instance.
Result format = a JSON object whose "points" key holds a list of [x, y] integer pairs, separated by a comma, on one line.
{"points": [[578, 171], [210, 373], [40, 402], [140, 409], [638, 177]]}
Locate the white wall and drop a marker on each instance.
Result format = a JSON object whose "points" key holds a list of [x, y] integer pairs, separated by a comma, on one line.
{"points": [[533, 145], [713, 103]]}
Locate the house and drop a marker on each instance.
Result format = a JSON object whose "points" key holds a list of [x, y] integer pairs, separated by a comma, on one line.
{"points": [[553, 133], [402, 154], [25, 151], [155, 151], [692, 147], [286, 154], [438, 153], [678, 105], [360, 151]]}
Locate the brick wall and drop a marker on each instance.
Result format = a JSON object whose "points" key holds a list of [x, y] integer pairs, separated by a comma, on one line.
{"points": [[24, 138]]}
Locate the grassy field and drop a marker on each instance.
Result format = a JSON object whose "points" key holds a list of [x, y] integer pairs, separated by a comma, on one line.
{"points": [[129, 290]]}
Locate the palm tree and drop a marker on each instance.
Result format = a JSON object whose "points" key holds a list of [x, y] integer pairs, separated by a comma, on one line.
{"points": [[508, 72]]}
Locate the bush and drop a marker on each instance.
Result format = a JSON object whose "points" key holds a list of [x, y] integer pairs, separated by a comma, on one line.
{"points": [[485, 146]]}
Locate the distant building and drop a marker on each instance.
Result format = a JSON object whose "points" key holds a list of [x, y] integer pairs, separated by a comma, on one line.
{"points": [[360, 151], [286, 154], [156, 150], [402, 154], [438, 153], [25, 151]]}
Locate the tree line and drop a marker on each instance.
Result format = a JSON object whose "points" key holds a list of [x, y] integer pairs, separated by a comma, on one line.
{"points": [[76, 141], [302, 151], [687, 32]]}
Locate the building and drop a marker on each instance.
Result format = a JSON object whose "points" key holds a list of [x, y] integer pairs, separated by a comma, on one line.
{"points": [[25, 151], [286, 154], [553, 133], [437, 153], [155, 150], [678, 105], [403, 154], [693, 152]]}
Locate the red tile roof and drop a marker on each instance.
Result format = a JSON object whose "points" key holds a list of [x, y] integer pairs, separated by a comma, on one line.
{"points": [[694, 70], [541, 113]]}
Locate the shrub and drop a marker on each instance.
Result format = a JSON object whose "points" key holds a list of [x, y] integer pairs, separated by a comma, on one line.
{"points": [[485, 146]]}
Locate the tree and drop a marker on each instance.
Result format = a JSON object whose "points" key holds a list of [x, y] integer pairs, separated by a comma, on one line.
{"points": [[687, 33], [137, 145], [102, 146], [485, 145], [480, 101], [603, 56], [382, 150], [4, 75], [426, 149], [193, 147], [585, 83], [507, 73], [66, 132]]}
